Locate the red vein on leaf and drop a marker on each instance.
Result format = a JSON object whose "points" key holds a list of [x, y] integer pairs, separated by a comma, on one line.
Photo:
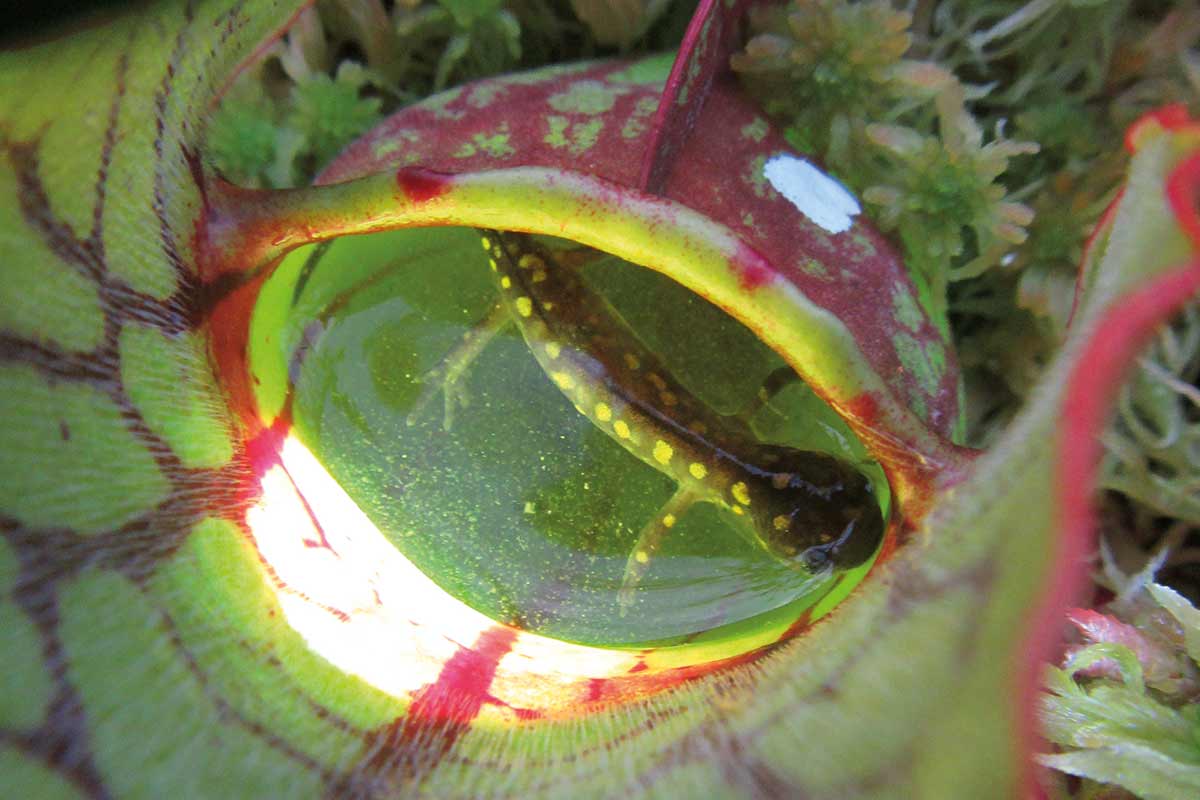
{"points": [[442, 711], [1119, 336]]}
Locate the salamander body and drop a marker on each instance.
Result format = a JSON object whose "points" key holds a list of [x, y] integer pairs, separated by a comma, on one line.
{"points": [[810, 510]]}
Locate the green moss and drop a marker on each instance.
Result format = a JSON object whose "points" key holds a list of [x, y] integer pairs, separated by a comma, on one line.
{"points": [[330, 112], [243, 137]]}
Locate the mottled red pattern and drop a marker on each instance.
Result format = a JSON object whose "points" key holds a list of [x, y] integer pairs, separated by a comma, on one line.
{"points": [[710, 39], [717, 172]]}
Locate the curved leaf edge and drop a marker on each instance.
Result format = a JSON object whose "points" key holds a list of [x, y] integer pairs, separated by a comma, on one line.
{"points": [[1122, 330]]}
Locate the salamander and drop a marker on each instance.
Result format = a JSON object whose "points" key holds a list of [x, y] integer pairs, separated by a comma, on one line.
{"points": [[810, 510]]}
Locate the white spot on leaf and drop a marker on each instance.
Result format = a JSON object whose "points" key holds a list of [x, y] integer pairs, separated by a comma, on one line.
{"points": [[818, 196]]}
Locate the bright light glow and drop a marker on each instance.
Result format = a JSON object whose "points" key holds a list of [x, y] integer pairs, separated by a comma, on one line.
{"points": [[367, 609], [817, 196]]}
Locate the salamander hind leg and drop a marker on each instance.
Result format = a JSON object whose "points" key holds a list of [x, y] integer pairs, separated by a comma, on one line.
{"points": [[449, 376], [775, 383], [649, 541]]}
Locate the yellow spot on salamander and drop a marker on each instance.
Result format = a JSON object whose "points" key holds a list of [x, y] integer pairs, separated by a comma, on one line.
{"points": [[642, 557], [740, 492], [539, 276], [563, 380], [603, 412], [632, 361], [621, 428], [487, 243], [663, 452], [553, 349], [524, 306], [492, 263], [506, 282], [780, 522], [529, 261], [698, 470], [548, 305], [669, 521], [738, 510]]}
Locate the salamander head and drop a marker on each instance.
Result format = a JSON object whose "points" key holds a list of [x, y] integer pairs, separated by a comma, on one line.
{"points": [[813, 511]]}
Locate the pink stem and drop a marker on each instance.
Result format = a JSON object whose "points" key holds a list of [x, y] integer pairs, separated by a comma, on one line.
{"points": [[1120, 335]]}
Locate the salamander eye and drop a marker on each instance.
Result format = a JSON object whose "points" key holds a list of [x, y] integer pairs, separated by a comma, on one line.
{"points": [[502, 492], [823, 512], [816, 559]]}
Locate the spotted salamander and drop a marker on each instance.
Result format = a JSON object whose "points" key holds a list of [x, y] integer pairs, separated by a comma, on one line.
{"points": [[810, 510]]}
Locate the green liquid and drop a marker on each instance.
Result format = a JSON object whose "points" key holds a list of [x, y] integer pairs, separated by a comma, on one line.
{"points": [[524, 510]]}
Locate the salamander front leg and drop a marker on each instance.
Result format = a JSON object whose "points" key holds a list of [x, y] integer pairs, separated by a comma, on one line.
{"points": [[648, 543], [448, 376]]}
